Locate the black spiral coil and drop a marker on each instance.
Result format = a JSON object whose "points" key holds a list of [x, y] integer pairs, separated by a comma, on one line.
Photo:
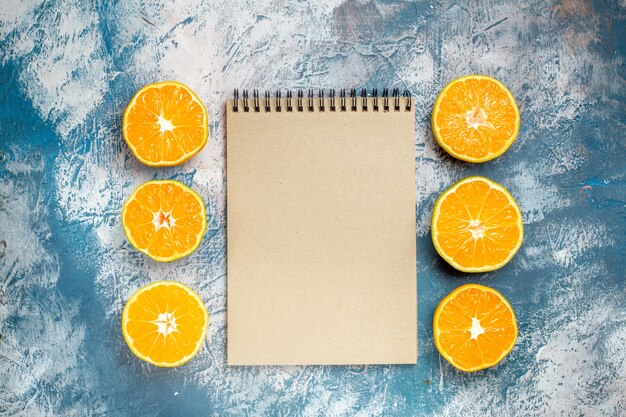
{"points": [[348, 101]]}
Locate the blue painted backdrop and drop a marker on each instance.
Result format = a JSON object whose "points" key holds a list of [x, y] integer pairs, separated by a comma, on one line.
{"points": [[67, 72]]}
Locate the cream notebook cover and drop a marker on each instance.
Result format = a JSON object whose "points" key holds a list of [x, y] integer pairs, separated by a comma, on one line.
{"points": [[321, 231]]}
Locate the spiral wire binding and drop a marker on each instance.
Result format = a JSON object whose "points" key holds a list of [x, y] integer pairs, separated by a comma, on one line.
{"points": [[352, 99], [311, 108], [344, 100], [236, 100], [246, 108], [364, 99], [267, 101], [396, 99], [407, 95], [255, 99], [385, 96], [375, 95]]}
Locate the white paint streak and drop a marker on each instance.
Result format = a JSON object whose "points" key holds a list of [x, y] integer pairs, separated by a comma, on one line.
{"points": [[565, 243], [41, 339], [582, 351], [67, 77], [534, 193]]}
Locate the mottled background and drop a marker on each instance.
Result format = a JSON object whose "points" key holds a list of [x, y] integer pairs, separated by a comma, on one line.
{"points": [[66, 75]]}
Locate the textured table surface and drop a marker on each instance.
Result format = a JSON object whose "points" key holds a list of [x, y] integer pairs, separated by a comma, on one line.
{"points": [[66, 75]]}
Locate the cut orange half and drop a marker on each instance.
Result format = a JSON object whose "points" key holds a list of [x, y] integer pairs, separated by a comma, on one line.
{"points": [[165, 124], [477, 225], [166, 220], [474, 327], [165, 323], [475, 118]]}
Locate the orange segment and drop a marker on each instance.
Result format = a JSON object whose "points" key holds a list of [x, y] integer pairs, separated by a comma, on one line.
{"points": [[477, 225], [475, 118], [165, 323], [165, 124], [474, 327], [166, 220]]}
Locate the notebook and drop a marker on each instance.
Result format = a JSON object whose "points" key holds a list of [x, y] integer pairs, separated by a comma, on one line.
{"points": [[321, 229]]}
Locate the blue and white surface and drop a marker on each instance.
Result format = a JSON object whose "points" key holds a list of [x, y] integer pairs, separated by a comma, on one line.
{"points": [[66, 269]]}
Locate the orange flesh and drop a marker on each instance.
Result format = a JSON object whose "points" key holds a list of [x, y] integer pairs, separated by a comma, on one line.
{"points": [[164, 220], [165, 124], [476, 118], [476, 328], [165, 324], [478, 226]]}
